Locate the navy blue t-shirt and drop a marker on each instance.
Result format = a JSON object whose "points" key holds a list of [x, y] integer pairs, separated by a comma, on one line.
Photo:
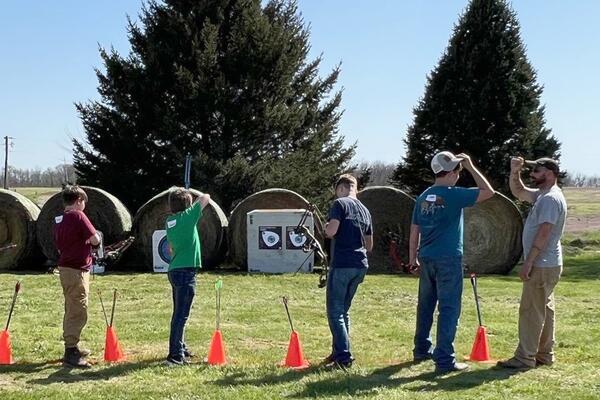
{"points": [[349, 242], [439, 214]]}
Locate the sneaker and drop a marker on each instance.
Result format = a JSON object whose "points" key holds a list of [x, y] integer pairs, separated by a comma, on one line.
{"points": [[172, 362], [73, 359], [420, 359], [513, 363], [339, 365], [454, 368], [188, 353]]}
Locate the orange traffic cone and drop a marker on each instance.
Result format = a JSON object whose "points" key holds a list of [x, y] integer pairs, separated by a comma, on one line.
{"points": [[480, 350], [5, 348], [216, 354], [295, 357], [112, 348]]}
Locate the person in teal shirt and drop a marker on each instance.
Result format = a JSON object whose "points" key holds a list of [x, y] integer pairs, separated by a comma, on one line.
{"points": [[184, 244]]}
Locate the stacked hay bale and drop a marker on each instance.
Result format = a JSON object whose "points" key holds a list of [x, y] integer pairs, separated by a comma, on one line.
{"points": [[104, 210], [391, 211], [18, 216], [270, 199], [492, 241], [152, 216]]}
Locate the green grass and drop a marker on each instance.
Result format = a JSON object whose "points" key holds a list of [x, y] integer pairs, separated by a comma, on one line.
{"points": [[583, 202], [39, 195], [256, 334]]}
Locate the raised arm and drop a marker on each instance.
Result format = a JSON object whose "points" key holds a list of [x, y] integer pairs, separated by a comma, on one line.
{"points": [[486, 191], [517, 188]]}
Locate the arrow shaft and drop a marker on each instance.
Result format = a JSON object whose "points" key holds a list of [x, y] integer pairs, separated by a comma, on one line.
{"points": [[474, 284]]}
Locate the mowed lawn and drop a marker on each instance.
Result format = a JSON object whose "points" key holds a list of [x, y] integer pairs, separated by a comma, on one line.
{"points": [[256, 334]]}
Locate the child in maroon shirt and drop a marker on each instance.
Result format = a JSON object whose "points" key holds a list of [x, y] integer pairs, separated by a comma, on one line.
{"points": [[74, 236]]}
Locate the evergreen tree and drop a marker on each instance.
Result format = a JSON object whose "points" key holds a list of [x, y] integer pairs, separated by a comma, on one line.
{"points": [[481, 99], [225, 80]]}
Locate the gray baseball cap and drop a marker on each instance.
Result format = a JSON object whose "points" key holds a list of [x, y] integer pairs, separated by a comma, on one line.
{"points": [[444, 161]]}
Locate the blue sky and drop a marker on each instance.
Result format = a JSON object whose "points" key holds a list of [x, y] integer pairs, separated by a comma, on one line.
{"points": [[49, 51]]}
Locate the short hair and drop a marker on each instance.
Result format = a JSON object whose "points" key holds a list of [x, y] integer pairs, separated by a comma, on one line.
{"points": [[179, 199], [441, 174], [347, 180], [72, 193]]}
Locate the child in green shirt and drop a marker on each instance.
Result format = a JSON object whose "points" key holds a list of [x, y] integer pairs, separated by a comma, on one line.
{"points": [[184, 243]]}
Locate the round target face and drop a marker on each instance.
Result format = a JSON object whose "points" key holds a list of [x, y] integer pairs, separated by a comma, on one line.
{"points": [[163, 250]]}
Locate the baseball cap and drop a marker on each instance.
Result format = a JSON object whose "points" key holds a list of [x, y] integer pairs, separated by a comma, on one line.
{"points": [[444, 161], [545, 162]]}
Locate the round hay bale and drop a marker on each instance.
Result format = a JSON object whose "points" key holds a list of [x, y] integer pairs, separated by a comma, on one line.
{"points": [[269, 199], [104, 210], [492, 241], [18, 215], [152, 215], [391, 211]]}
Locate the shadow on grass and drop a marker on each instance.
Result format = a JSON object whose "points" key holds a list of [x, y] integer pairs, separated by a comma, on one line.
{"points": [[358, 385], [289, 375], [69, 375]]}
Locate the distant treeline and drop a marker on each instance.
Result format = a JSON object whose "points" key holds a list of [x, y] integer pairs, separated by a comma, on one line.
{"points": [[49, 177], [581, 180]]}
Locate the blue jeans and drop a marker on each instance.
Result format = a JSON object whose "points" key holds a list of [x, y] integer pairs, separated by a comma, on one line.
{"points": [[441, 282], [183, 283], [342, 284]]}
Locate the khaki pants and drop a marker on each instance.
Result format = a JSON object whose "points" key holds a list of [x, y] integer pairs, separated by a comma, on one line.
{"points": [[76, 287], [536, 317]]}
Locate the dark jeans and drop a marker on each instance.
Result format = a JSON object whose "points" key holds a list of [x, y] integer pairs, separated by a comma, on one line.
{"points": [[342, 284], [183, 283], [441, 282]]}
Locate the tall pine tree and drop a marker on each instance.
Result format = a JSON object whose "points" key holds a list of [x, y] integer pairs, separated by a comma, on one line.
{"points": [[225, 80], [481, 99]]}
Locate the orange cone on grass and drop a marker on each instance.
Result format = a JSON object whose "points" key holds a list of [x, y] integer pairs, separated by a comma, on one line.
{"points": [[5, 346], [216, 353], [295, 356], [112, 347], [480, 350]]}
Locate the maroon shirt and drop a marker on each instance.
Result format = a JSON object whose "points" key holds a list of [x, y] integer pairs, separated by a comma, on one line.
{"points": [[71, 231]]}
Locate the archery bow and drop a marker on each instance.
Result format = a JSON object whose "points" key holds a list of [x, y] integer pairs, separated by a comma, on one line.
{"points": [[312, 244]]}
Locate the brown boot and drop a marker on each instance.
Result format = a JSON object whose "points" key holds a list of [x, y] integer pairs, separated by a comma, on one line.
{"points": [[73, 359]]}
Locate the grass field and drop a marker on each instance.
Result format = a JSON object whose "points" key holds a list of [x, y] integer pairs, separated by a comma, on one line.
{"points": [[39, 195], [256, 334]]}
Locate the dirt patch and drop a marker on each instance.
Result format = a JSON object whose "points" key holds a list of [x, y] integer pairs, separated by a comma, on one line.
{"points": [[582, 223]]}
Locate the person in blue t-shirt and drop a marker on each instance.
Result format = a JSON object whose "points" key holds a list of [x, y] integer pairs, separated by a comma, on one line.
{"points": [[349, 225], [435, 251]]}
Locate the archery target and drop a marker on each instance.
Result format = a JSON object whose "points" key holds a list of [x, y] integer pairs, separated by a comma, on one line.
{"points": [[269, 237], [160, 251], [294, 241]]}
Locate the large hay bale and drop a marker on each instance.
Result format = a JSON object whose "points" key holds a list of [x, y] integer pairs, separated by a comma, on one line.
{"points": [[269, 199], [152, 215], [391, 210], [18, 215], [104, 210], [492, 241]]}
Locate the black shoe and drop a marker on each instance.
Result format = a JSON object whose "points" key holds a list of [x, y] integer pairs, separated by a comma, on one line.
{"points": [[456, 367], [73, 359], [420, 359]]}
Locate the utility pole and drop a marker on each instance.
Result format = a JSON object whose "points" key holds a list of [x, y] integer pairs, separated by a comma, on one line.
{"points": [[6, 143]]}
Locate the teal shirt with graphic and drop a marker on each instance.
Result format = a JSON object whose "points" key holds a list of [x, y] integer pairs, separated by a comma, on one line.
{"points": [[182, 235], [439, 214]]}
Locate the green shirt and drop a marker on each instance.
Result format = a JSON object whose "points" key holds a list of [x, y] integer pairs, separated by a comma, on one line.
{"points": [[183, 238]]}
